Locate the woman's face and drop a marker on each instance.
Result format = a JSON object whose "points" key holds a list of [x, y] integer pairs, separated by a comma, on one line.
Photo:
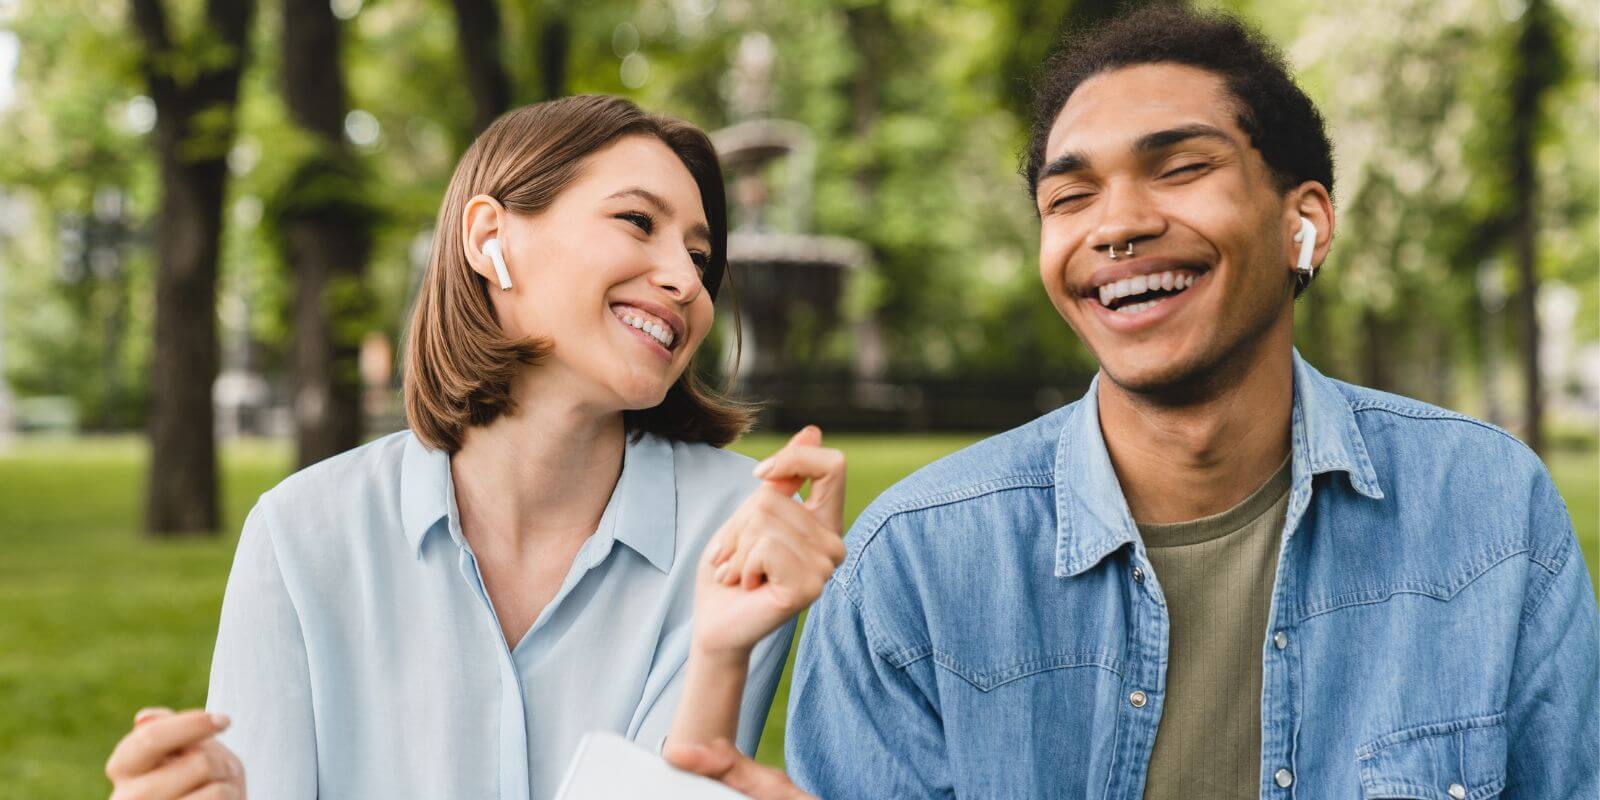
{"points": [[610, 273]]}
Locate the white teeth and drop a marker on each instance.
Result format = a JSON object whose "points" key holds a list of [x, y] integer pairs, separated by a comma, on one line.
{"points": [[1139, 284], [658, 331]]}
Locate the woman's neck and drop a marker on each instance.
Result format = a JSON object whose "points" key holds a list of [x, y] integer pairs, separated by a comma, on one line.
{"points": [[545, 472]]}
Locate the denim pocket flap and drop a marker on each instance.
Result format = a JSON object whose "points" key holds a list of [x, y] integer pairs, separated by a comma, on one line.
{"points": [[1460, 760]]}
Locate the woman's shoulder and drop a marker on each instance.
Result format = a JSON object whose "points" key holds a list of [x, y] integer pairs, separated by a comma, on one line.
{"points": [[360, 487], [710, 471], [372, 465]]}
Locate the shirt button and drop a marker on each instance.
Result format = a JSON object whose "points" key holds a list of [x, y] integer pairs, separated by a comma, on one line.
{"points": [[1280, 640], [1137, 699], [1283, 778], [1138, 575], [1457, 791]]}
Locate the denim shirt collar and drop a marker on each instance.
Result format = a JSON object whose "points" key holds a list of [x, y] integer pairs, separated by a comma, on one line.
{"points": [[641, 513], [1092, 516]]}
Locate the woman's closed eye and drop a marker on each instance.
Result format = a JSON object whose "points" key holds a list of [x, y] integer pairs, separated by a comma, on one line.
{"points": [[643, 221]]}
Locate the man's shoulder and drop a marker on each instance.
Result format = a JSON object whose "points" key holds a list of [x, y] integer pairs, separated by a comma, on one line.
{"points": [[1415, 429], [1446, 466], [971, 484]]}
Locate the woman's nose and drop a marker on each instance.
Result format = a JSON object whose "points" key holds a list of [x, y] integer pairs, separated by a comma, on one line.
{"points": [[683, 285]]}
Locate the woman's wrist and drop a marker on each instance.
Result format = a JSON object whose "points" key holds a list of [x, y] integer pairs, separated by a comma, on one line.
{"points": [[720, 658]]}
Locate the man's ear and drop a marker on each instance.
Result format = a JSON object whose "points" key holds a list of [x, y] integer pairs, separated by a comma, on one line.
{"points": [[1311, 201], [481, 221]]}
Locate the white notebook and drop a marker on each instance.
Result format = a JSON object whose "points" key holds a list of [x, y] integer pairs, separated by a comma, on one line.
{"points": [[609, 767]]}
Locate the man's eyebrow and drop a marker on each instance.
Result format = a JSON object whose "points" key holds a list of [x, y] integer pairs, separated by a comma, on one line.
{"points": [[1160, 140], [699, 229], [1063, 164], [1150, 142]]}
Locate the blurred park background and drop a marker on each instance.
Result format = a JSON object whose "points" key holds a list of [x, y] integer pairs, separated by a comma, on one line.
{"points": [[213, 214]]}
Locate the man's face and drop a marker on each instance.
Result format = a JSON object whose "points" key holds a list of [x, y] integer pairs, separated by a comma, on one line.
{"points": [[1153, 155]]}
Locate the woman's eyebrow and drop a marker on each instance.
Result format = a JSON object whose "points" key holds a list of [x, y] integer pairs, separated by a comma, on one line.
{"points": [[699, 229]]}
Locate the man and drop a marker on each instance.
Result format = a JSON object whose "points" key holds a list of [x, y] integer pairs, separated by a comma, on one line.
{"points": [[1219, 574]]}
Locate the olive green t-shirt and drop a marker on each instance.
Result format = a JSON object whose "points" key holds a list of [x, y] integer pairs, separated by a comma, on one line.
{"points": [[1217, 575]]}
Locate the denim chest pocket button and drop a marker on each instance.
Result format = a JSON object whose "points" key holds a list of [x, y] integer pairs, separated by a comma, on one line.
{"points": [[1463, 759]]}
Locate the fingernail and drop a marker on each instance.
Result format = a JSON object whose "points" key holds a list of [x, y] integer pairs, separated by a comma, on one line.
{"points": [[763, 468], [722, 572], [144, 715], [220, 721]]}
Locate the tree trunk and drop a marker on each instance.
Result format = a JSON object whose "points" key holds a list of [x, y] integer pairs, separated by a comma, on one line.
{"points": [[1377, 351], [1533, 75], [182, 490], [554, 41], [326, 240], [478, 40]]}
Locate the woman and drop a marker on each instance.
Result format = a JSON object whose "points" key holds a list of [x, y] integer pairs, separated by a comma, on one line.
{"points": [[445, 611]]}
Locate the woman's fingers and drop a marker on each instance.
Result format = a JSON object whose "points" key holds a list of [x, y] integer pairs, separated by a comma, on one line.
{"points": [[190, 771], [721, 762], [770, 515], [215, 791], [156, 736], [804, 458]]}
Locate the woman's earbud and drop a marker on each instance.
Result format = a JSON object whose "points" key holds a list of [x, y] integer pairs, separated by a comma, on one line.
{"points": [[1307, 237], [491, 249]]}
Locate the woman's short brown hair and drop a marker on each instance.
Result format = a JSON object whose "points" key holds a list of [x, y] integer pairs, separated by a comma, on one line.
{"points": [[459, 363]]}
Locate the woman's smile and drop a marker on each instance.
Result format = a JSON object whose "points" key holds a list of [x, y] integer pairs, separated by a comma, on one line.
{"points": [[659, 329]]}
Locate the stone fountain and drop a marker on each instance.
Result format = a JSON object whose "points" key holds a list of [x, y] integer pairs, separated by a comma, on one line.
{"points": [[790, 282]]}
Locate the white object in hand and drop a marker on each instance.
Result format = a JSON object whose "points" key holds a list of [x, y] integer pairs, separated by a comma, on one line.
{"points": [[608, 766]]}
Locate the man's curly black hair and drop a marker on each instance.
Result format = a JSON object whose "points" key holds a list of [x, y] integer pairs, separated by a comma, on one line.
{"points": [[1279, 118]]}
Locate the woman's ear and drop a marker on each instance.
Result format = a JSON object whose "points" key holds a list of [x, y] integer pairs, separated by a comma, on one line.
{"points": [[481, 221]]}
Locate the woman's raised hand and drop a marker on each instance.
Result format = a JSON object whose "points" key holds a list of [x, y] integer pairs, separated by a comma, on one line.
{"points": [[170, 756], [772, 557]]}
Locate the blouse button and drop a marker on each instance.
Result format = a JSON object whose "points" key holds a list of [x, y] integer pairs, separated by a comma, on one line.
{"points": [[1283, 778], [1137, 699], [1457, 791]]}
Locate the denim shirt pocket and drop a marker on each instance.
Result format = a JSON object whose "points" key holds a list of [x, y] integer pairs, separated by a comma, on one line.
{"points": [[990, 677], [1464, 759]]}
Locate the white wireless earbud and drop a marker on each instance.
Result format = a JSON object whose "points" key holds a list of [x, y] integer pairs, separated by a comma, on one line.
{"points": [[491, 249], [1307, 237]]}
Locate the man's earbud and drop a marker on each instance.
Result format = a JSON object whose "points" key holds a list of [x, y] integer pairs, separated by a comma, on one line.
{"points": [[1307, 237], [491, 249]]}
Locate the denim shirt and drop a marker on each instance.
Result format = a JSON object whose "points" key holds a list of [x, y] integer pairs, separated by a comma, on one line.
{"points": [[996, 629]]}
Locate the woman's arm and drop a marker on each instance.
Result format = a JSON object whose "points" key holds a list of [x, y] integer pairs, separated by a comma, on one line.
{"points": [[761, 569], [259, 672]]}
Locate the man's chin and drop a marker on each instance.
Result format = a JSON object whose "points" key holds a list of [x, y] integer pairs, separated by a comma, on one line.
{"points": [[1167, 378]]}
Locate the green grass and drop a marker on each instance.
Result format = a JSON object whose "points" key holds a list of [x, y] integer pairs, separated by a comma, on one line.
{"points": [[96, 621]]}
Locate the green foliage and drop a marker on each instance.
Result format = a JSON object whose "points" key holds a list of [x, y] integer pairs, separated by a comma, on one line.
{"points": [[916, 108]]}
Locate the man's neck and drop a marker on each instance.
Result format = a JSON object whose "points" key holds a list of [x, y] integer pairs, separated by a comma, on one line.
{"points": [[1180, 462], [545, 472]]}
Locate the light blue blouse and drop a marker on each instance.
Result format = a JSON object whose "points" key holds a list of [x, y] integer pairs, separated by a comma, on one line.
{"points": [[359, 656]]}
